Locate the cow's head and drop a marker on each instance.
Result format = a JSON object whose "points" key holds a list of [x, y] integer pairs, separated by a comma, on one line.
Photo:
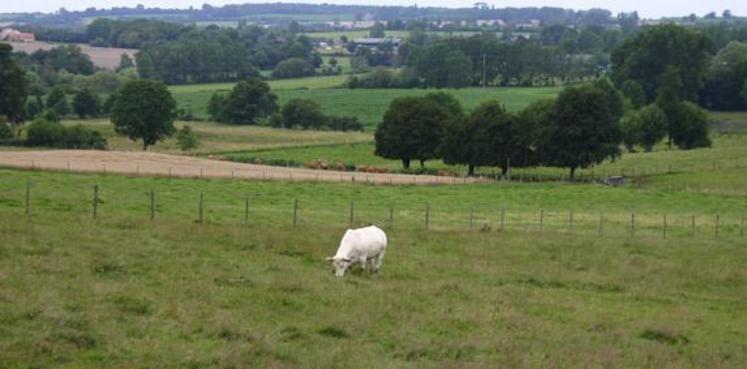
{"points": [[341, 264]]}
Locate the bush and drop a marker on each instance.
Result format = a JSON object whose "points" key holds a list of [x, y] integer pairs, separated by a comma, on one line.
{"points": [[187, 139], [304, 113], [44, 133], [344, 124], [5, 132], [293, 68]]}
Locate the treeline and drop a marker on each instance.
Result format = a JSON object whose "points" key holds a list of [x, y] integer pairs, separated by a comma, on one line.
{"points": [[251, 102], [212, 54], [484, 60], [269, 12], [584, 126]]}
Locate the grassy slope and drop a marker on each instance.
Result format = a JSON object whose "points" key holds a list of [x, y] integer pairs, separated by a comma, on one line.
{"points": [[366, 104], [126, 292]]}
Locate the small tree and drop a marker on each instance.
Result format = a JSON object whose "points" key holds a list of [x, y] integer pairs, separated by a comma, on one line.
{"points": [[412, 128], [187, 139], [144, 110], [653, 126], [125, 62], [634, 92], [584, 131], [57, 102], [669, 100], [249, 101], [86, 104], [692, 128], [303, 113], [13, 87], [293, 68]]}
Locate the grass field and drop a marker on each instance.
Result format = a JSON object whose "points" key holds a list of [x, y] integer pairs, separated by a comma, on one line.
{"points": [[125, 291], [367, 104], [218, 138]]}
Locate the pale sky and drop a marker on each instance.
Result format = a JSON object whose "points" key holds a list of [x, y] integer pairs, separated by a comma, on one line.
{"points": [[647, 8]]}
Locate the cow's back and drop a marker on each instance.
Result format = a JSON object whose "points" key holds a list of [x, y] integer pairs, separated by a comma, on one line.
{"points": [[368, 241]]}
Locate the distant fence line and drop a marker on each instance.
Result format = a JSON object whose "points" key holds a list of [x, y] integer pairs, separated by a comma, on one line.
{"points": [[630, 174], [501, 219]]}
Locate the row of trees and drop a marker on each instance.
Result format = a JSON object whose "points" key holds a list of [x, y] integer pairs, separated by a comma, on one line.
{"points": [[252, 102], [584, 126]]}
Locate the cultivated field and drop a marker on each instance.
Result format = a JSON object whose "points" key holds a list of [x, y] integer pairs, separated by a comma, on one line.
{"points": [[252, 291], [367, 104], [102, 57]]}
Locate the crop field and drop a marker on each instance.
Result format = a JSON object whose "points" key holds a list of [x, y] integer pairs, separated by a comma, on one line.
{"points": [[238, 291], [368, 105], [102, 57]]}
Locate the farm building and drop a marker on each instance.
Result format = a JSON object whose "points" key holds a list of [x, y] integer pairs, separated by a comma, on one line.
{"points": [[13, 35]]}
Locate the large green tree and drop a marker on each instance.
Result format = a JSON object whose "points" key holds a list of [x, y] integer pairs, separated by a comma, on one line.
{"points": [[249, 101], [302, 113], [645, 57], [726, 77], [692, 128], [57, 102], [440, 66], [144, 110], [584, 131], [645, 127], [86, 104], [412, 129], [13, 88]]}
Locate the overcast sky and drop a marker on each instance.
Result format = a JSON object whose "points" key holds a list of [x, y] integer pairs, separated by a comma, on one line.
{"points": [[647, 8]]}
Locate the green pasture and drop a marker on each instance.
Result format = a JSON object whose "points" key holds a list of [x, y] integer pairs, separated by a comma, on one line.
{"points": [[126, 291]]}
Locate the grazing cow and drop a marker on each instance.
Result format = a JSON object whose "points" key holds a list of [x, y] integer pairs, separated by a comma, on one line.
{"points": [[362, 245]]}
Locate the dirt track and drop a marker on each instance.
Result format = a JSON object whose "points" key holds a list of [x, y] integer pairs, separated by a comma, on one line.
{"points": [[152, 164]]}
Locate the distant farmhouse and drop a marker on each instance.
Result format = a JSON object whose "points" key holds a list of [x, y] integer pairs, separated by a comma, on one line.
{"points": [[13, 35]]}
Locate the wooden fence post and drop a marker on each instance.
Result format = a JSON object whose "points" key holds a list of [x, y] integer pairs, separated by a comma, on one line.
{"points": [[664, 229], [295, 212], [352, 214], [542, 220], [152, 205], [570, 220], [427, 215], [741, 227], [718, 218], [632, 224], [95, 200], [391, 216], [471, 217], [692, 226], [246, 210], [28, 197], [200, 205], [503, 215], [601, 223]]}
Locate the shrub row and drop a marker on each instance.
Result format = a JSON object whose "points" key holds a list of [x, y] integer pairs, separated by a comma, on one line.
{"points": [[44, 133]]}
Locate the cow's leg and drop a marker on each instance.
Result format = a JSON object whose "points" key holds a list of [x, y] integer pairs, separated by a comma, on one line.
{"points": [[377, 261], [364, 263]]}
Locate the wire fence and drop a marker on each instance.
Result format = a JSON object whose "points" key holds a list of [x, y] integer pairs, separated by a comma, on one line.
{"points": [[183, 203]]}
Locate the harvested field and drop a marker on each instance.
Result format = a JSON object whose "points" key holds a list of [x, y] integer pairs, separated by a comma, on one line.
{"points": [[152, 164], [102, 57]]}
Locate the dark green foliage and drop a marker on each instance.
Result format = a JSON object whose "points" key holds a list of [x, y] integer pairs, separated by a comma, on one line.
{"points": [[645, 57], [34, 107], [691, 129], [377, 31], [13, 87], [726, 79], [669, 99], [249, 101], [645, 127], [51, 134], [385, 78], [303, 113], [86, 104], [125, 62], [532, 130], [144, 110], [441, 65], [412, 128], [634, 92], [614, 97], [5, 131], [344, 124], [583, 132], [187, 139], [57, 102], [485, 138], [67, 57], [293, 68]]}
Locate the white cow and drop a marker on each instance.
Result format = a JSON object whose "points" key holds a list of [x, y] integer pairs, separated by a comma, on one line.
{"points": [[362, 246]]}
